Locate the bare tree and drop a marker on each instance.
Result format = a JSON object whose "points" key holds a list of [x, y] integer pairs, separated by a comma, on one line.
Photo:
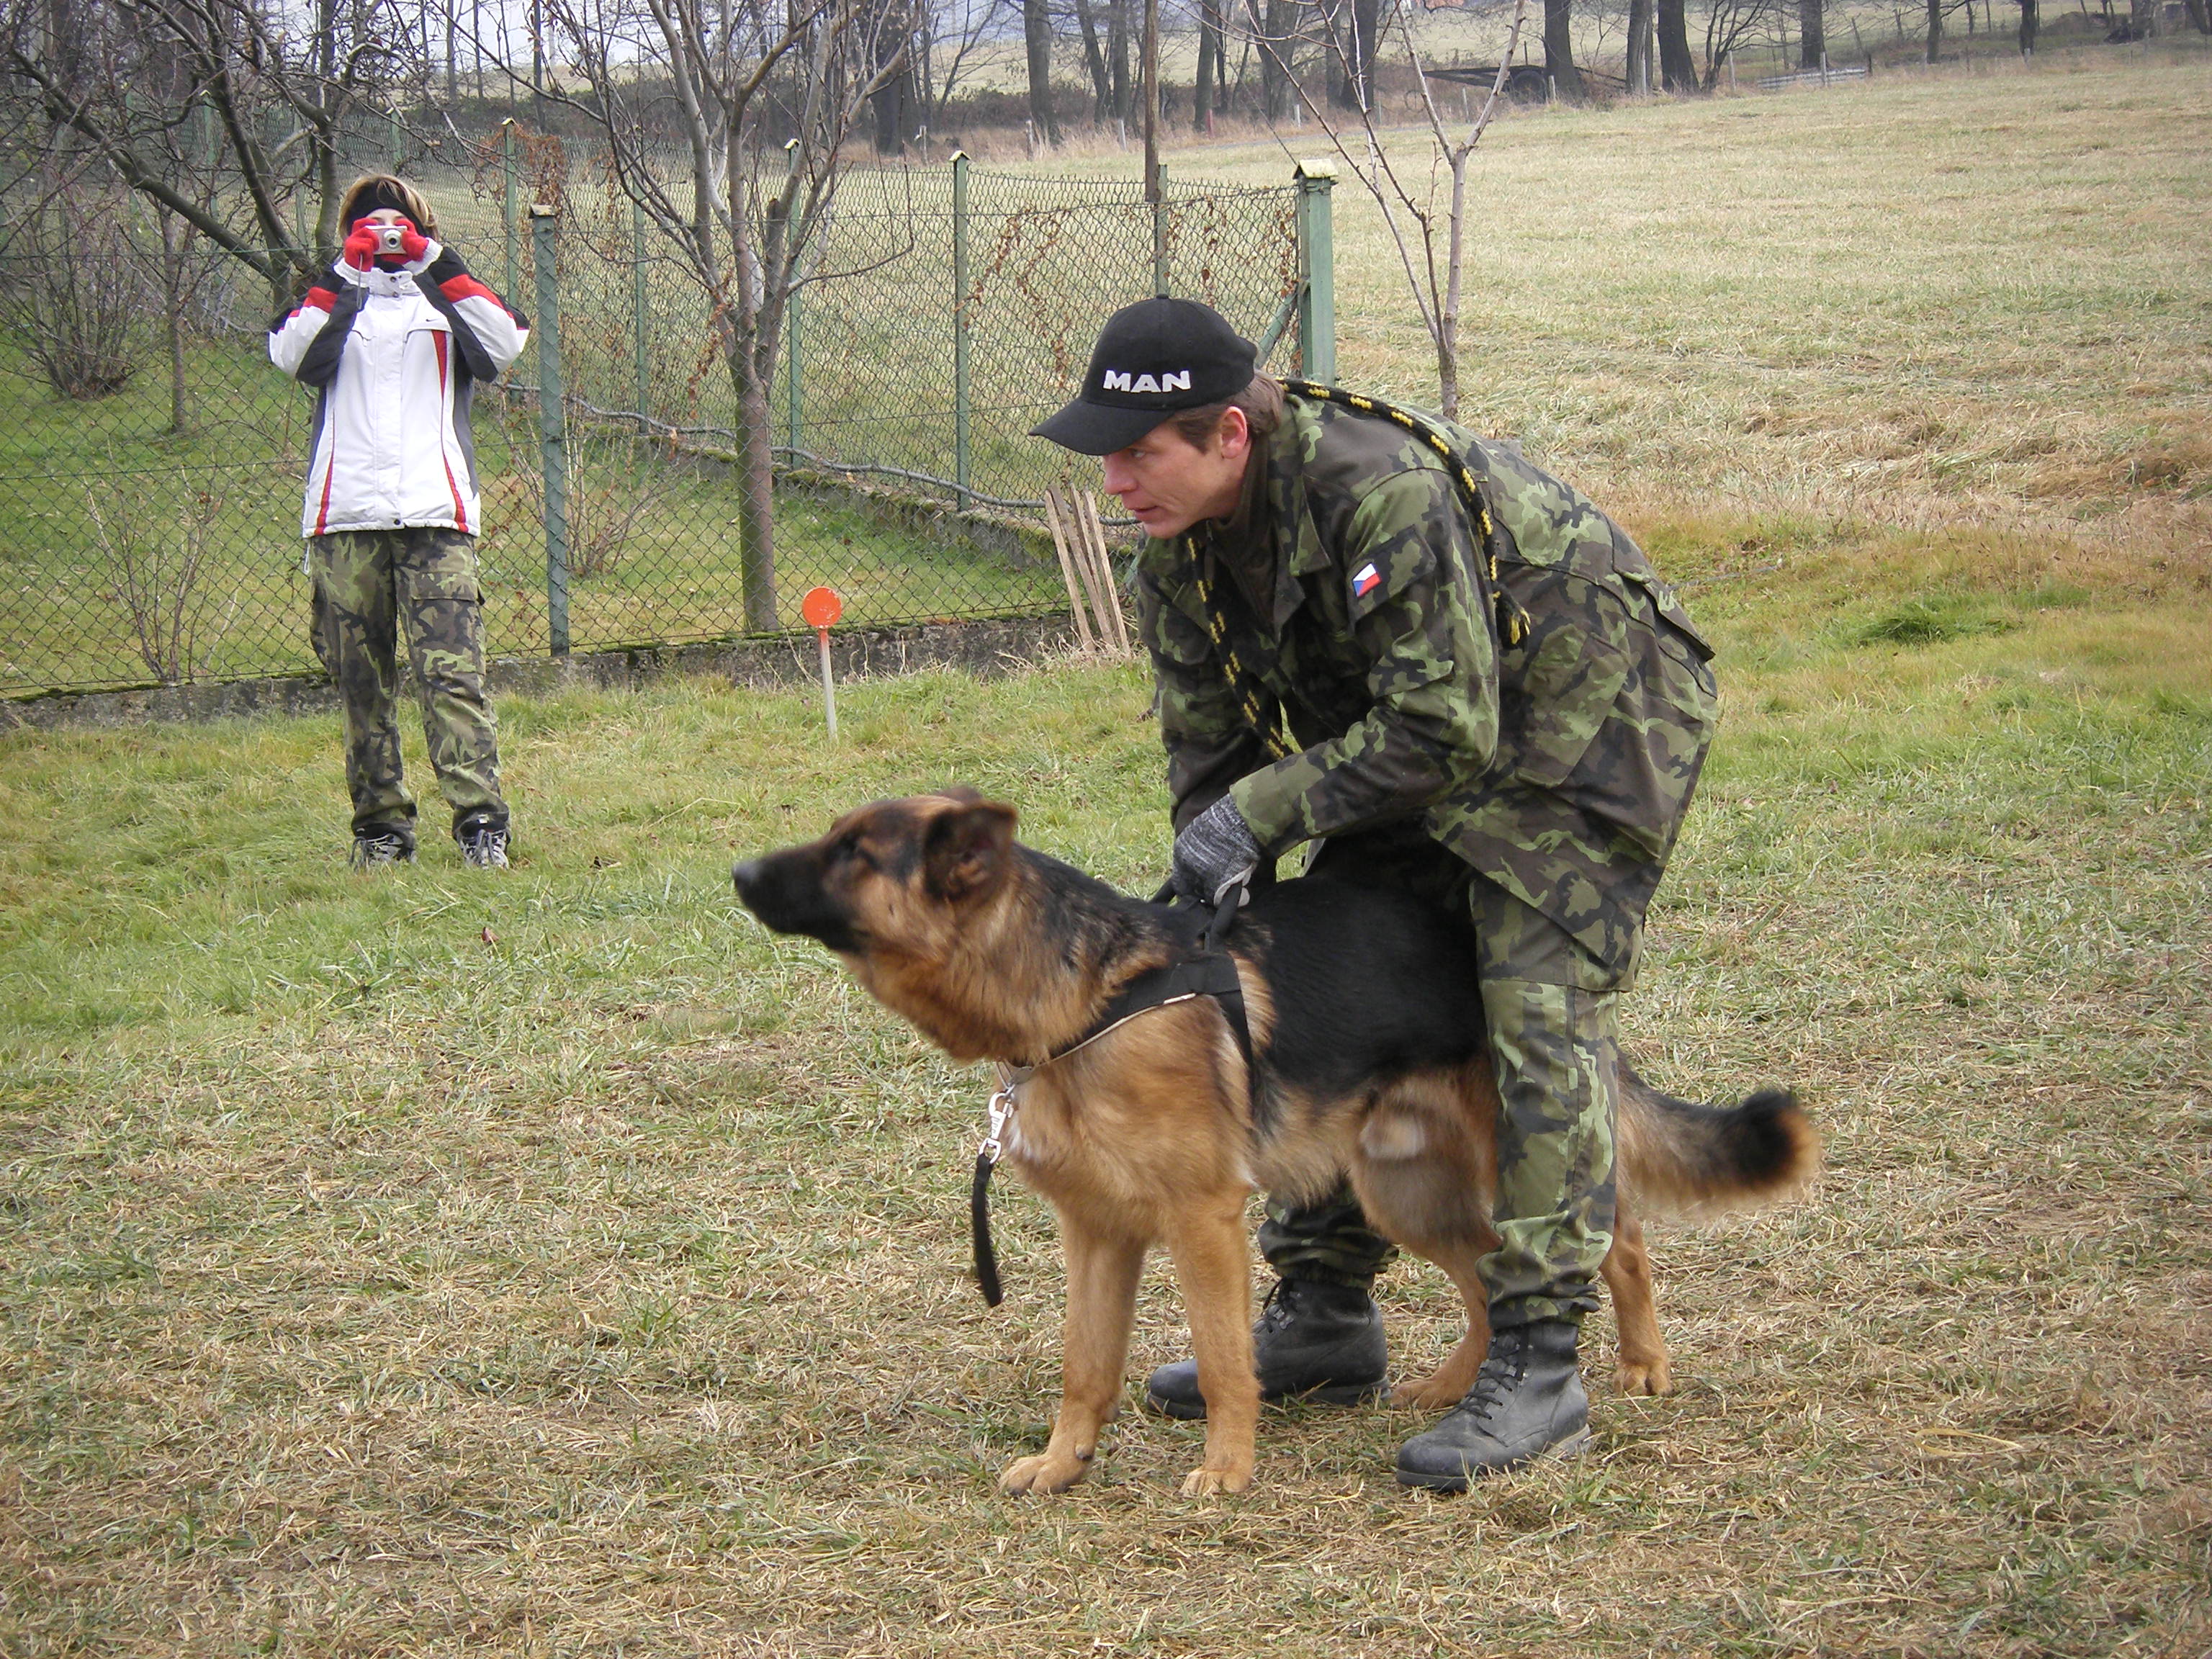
{"points": [[1678, 70], [1812, 34], [1210, 89], [1036, 44], [1430, 237], [1559, 48], [217, 112], [948, 36], [761, 97]]}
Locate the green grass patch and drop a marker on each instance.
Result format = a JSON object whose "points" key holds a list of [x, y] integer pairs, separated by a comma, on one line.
{"points": [[559, 1263]]}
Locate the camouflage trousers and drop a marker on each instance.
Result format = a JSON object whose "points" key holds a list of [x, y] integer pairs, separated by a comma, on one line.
{"points": [[365, 585], [1552, 1040]]}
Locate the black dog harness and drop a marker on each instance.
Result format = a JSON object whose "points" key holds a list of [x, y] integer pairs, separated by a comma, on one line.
{"points": [[1209, 971]]}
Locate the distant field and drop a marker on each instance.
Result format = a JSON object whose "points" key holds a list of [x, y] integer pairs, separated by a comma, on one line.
{"points": [[1968, 303]]}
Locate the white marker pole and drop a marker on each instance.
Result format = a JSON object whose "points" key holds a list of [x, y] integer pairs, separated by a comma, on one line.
{"points": [[829, 687]]}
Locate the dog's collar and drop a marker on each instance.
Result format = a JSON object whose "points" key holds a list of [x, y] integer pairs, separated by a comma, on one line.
{"points": [[1209, 974]]}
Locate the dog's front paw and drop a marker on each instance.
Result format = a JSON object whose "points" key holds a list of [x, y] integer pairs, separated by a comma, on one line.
{"points": [[1644, 1375], [1205, 1481], [1432, 1393], [1044, 1475]]}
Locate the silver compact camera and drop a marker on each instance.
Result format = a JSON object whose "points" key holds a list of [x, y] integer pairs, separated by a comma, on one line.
{"points": [[390, 239]]}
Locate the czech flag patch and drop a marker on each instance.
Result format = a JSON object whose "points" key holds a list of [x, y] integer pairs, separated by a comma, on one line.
{"points": [[1365, 580]]}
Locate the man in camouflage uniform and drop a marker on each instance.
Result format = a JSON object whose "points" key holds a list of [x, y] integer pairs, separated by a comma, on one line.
{"points": [[1490, 699]]}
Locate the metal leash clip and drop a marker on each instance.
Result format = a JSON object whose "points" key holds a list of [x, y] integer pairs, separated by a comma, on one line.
{"points": [[1002, 1108]]}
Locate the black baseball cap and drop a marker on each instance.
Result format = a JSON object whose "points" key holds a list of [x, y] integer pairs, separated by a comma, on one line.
{"points": [[1154, 358]]}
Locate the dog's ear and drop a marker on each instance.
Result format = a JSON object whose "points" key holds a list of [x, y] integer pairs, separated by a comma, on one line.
{"points": [[967, 850], [961, 792]]}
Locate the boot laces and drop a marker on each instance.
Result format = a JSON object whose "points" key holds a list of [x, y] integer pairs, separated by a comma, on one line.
{"points": [[1280, 1309], [1505, 1365]]}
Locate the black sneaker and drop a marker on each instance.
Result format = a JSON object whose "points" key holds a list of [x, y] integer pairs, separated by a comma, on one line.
{"points": [[379, 847], [483, 848], [1312, 1341], [1528, 1402]]}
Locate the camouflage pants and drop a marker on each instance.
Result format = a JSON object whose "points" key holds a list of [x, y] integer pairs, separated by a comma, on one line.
{"points": [[1552, 1039], [365, 584]]}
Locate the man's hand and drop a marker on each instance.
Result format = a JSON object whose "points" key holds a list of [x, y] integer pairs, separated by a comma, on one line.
{"points": [[361, 245], [1214, 848]]}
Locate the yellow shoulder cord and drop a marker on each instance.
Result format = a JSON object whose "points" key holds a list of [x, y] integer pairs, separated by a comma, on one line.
{"points": [[1233, 669], [1512, 620]]}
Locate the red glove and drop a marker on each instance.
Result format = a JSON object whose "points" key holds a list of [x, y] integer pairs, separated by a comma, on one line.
{"points": [[413, 244], [361, 249]]}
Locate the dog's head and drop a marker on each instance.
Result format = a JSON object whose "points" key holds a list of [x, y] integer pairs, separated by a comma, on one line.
{"points": [[894, 878]]}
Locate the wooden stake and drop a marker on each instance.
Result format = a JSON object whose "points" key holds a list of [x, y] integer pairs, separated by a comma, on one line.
{"points": [[1067, 569], [1089, 504], [1094, 579]]}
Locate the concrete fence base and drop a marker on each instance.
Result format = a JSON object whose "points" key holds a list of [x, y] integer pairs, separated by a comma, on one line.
{"points": [[987, 648]]}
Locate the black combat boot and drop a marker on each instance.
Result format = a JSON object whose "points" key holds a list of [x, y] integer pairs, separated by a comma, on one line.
{"points": [[1526, 1402], [1313, 1341]]}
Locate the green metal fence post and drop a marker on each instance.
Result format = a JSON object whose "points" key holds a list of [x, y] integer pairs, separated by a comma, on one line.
{"points": [[507, 197], [1316, 178], [794, 412], [638, 309], [960, 324], [552, 424], [398, 148]]}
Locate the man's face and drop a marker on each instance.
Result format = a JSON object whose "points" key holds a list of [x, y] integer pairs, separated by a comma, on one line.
{"points": [[1168, 483]]}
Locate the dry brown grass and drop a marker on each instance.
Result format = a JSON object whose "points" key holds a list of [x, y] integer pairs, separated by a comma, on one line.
{"points": [[1963, 301], [563, 1267]]}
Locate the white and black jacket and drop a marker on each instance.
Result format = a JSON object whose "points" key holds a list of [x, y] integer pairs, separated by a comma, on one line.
{"points": [[394, 357]]}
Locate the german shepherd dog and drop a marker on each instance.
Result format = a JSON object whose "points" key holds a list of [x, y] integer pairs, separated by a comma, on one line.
{"points": [[1371, 1059]]}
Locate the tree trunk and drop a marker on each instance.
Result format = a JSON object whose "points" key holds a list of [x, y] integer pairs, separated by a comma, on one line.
{"points": [[1212, 77], [1813, 29], [1036, 37], [1560, 49], [1277, 30], [1637, 69], [2143, 18], [2200, 17], [2028, 23], [1118, 34], [1934, 30], [1678, 70], [1094, 59], [755, 495]]}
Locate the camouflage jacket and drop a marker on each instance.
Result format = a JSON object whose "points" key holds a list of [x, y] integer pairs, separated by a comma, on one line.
{"points": [[1348, 598]]}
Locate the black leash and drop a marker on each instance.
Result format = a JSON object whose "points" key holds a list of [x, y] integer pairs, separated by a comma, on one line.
{"points": [[1211, 972]]}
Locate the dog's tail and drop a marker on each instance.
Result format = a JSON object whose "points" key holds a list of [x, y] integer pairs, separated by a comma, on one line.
{"points": [[1676, 1155]]}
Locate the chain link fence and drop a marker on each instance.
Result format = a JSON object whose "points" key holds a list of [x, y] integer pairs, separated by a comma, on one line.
{"points": [[151, 461]]}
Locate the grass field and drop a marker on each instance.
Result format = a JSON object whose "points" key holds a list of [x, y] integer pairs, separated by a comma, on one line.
{"points": [[558, 1265]]}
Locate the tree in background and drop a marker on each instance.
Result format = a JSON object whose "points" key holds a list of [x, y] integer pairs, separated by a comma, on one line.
{"points": [[1812, 35], [220, 112], [761, 96], [1209, 87], [1036, 43], [1678, 70], [1560, 49]]}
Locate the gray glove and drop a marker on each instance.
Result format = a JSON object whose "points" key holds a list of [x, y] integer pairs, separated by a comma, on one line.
{"points": [[1213, 850]]}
